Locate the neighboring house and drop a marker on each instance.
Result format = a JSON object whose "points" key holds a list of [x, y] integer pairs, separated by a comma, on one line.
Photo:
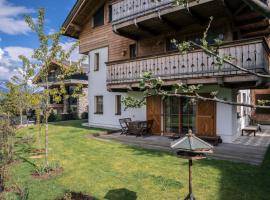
{"points": [[261, 116], [70, 105], [124, 38]]}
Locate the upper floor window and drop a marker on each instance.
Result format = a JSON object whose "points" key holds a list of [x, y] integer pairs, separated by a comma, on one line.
{"points": [[98, 18], [110, 13], [118, 107], [96, 62], [133, 50]]}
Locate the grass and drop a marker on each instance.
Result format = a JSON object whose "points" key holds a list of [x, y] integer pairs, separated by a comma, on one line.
{"points": [[108, 170]]}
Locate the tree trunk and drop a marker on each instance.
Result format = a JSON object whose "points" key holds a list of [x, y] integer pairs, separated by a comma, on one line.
{"points": [[46, 124], [46, 139], [21, 117]]}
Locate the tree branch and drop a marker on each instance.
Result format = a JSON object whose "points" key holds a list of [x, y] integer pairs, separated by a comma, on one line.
{"points": [[214, 99], [228, 61]]}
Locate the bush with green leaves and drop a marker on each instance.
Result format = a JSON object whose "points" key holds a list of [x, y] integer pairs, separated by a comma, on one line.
{"points": [[44, 169], [6, 148]]}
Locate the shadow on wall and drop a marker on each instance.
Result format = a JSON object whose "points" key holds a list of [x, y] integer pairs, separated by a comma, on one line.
{"points": [[121, 194]]}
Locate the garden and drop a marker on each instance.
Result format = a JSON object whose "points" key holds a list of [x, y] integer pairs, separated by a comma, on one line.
{"points": [[89, 168]]}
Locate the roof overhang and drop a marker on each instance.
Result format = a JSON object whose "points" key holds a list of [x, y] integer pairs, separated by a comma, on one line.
{"points": [[79, 15]]}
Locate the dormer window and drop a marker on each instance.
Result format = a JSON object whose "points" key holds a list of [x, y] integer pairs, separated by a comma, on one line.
{"points": [[98, 18]]}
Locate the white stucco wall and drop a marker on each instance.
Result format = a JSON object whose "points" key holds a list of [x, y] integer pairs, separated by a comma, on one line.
{"points": [[228, 126], [97, 87]]}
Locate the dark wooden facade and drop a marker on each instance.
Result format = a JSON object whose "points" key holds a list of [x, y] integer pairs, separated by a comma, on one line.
{"points": [[151, 25]]}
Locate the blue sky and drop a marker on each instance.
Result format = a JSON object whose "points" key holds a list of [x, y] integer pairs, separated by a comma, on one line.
{"points": [[15, 36]]}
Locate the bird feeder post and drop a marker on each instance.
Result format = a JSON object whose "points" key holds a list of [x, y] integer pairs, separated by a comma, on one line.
{"points": [[191, 148], [190, 195]]}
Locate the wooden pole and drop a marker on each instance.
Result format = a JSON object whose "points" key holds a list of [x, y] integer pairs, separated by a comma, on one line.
{"points": [[190, 195]]}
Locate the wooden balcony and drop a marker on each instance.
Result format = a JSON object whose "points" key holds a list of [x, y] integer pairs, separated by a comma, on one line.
{"points": [[195, 67], [137, 19], [127, 9]]}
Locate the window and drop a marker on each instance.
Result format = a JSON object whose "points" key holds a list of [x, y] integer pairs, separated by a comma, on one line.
{"points": [[266, 98], [98, 19], [118, 107], [244, 100], [110, 13], [96, 62], [99, 104], [133, 50]]}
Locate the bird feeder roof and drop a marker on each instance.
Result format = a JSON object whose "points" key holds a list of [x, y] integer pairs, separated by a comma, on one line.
{"points": [[191, 143]]}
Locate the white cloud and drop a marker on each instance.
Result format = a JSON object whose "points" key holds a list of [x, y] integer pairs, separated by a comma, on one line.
{"points": [[75, 56], [15, 52], [1, 54], [10, 20], [9, 61], [51, 31]]}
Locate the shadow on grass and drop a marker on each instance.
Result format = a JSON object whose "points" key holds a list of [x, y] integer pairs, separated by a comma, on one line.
{"points": [[76, 196], [140, 151], [75, 124], [121, 194]]}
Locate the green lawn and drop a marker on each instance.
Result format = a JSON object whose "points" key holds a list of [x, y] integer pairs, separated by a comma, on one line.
{"points": [[108, 170]]}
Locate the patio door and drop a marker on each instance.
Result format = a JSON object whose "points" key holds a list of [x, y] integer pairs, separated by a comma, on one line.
{"points": [[179, 116], [153, 109], [206, 118]]}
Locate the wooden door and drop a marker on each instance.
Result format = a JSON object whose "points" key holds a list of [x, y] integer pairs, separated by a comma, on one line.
{"points": [[206, 118], [153, 109]]}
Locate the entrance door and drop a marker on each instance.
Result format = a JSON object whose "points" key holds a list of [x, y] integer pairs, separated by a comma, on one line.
{"points": [[206, 118], [153, 108]]}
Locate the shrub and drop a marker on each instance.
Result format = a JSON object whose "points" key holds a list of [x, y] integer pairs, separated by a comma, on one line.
{"points": [[6, 149], [43, 169], [52, 117], [70, 116], [84, 115]]}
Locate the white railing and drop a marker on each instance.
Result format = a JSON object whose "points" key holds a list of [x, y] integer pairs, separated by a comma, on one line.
{"points": [[252, 55], [126, 9]]}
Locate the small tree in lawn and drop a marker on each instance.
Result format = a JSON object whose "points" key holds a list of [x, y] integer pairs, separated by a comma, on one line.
{"points": [[50, 50]]}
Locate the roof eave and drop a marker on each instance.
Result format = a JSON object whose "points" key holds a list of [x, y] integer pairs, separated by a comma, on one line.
{"points": [[70, 17]]}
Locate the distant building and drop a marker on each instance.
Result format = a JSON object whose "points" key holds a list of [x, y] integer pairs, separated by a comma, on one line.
{"points": [[70, 105]]}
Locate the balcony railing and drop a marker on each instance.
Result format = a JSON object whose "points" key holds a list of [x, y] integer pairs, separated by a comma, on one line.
{"points": [[126, 9], [249, 54]]}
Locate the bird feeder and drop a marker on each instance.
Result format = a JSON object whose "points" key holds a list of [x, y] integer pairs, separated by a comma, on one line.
{"points": [[191, 148]]}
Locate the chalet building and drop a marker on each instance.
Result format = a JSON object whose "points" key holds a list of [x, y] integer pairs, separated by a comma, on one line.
{"points": [[125, 38], [71, 105]]}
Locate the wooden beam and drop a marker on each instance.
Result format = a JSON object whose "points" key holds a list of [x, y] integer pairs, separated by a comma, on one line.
{"points": [[197, 17], [227, 8], [263, 32], [146, 29], [76, 27], [240, 9], [169, 23], [127, 35], [256, 25]]}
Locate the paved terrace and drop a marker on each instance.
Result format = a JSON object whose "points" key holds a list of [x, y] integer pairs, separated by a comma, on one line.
{"points": [[246, 149]]}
